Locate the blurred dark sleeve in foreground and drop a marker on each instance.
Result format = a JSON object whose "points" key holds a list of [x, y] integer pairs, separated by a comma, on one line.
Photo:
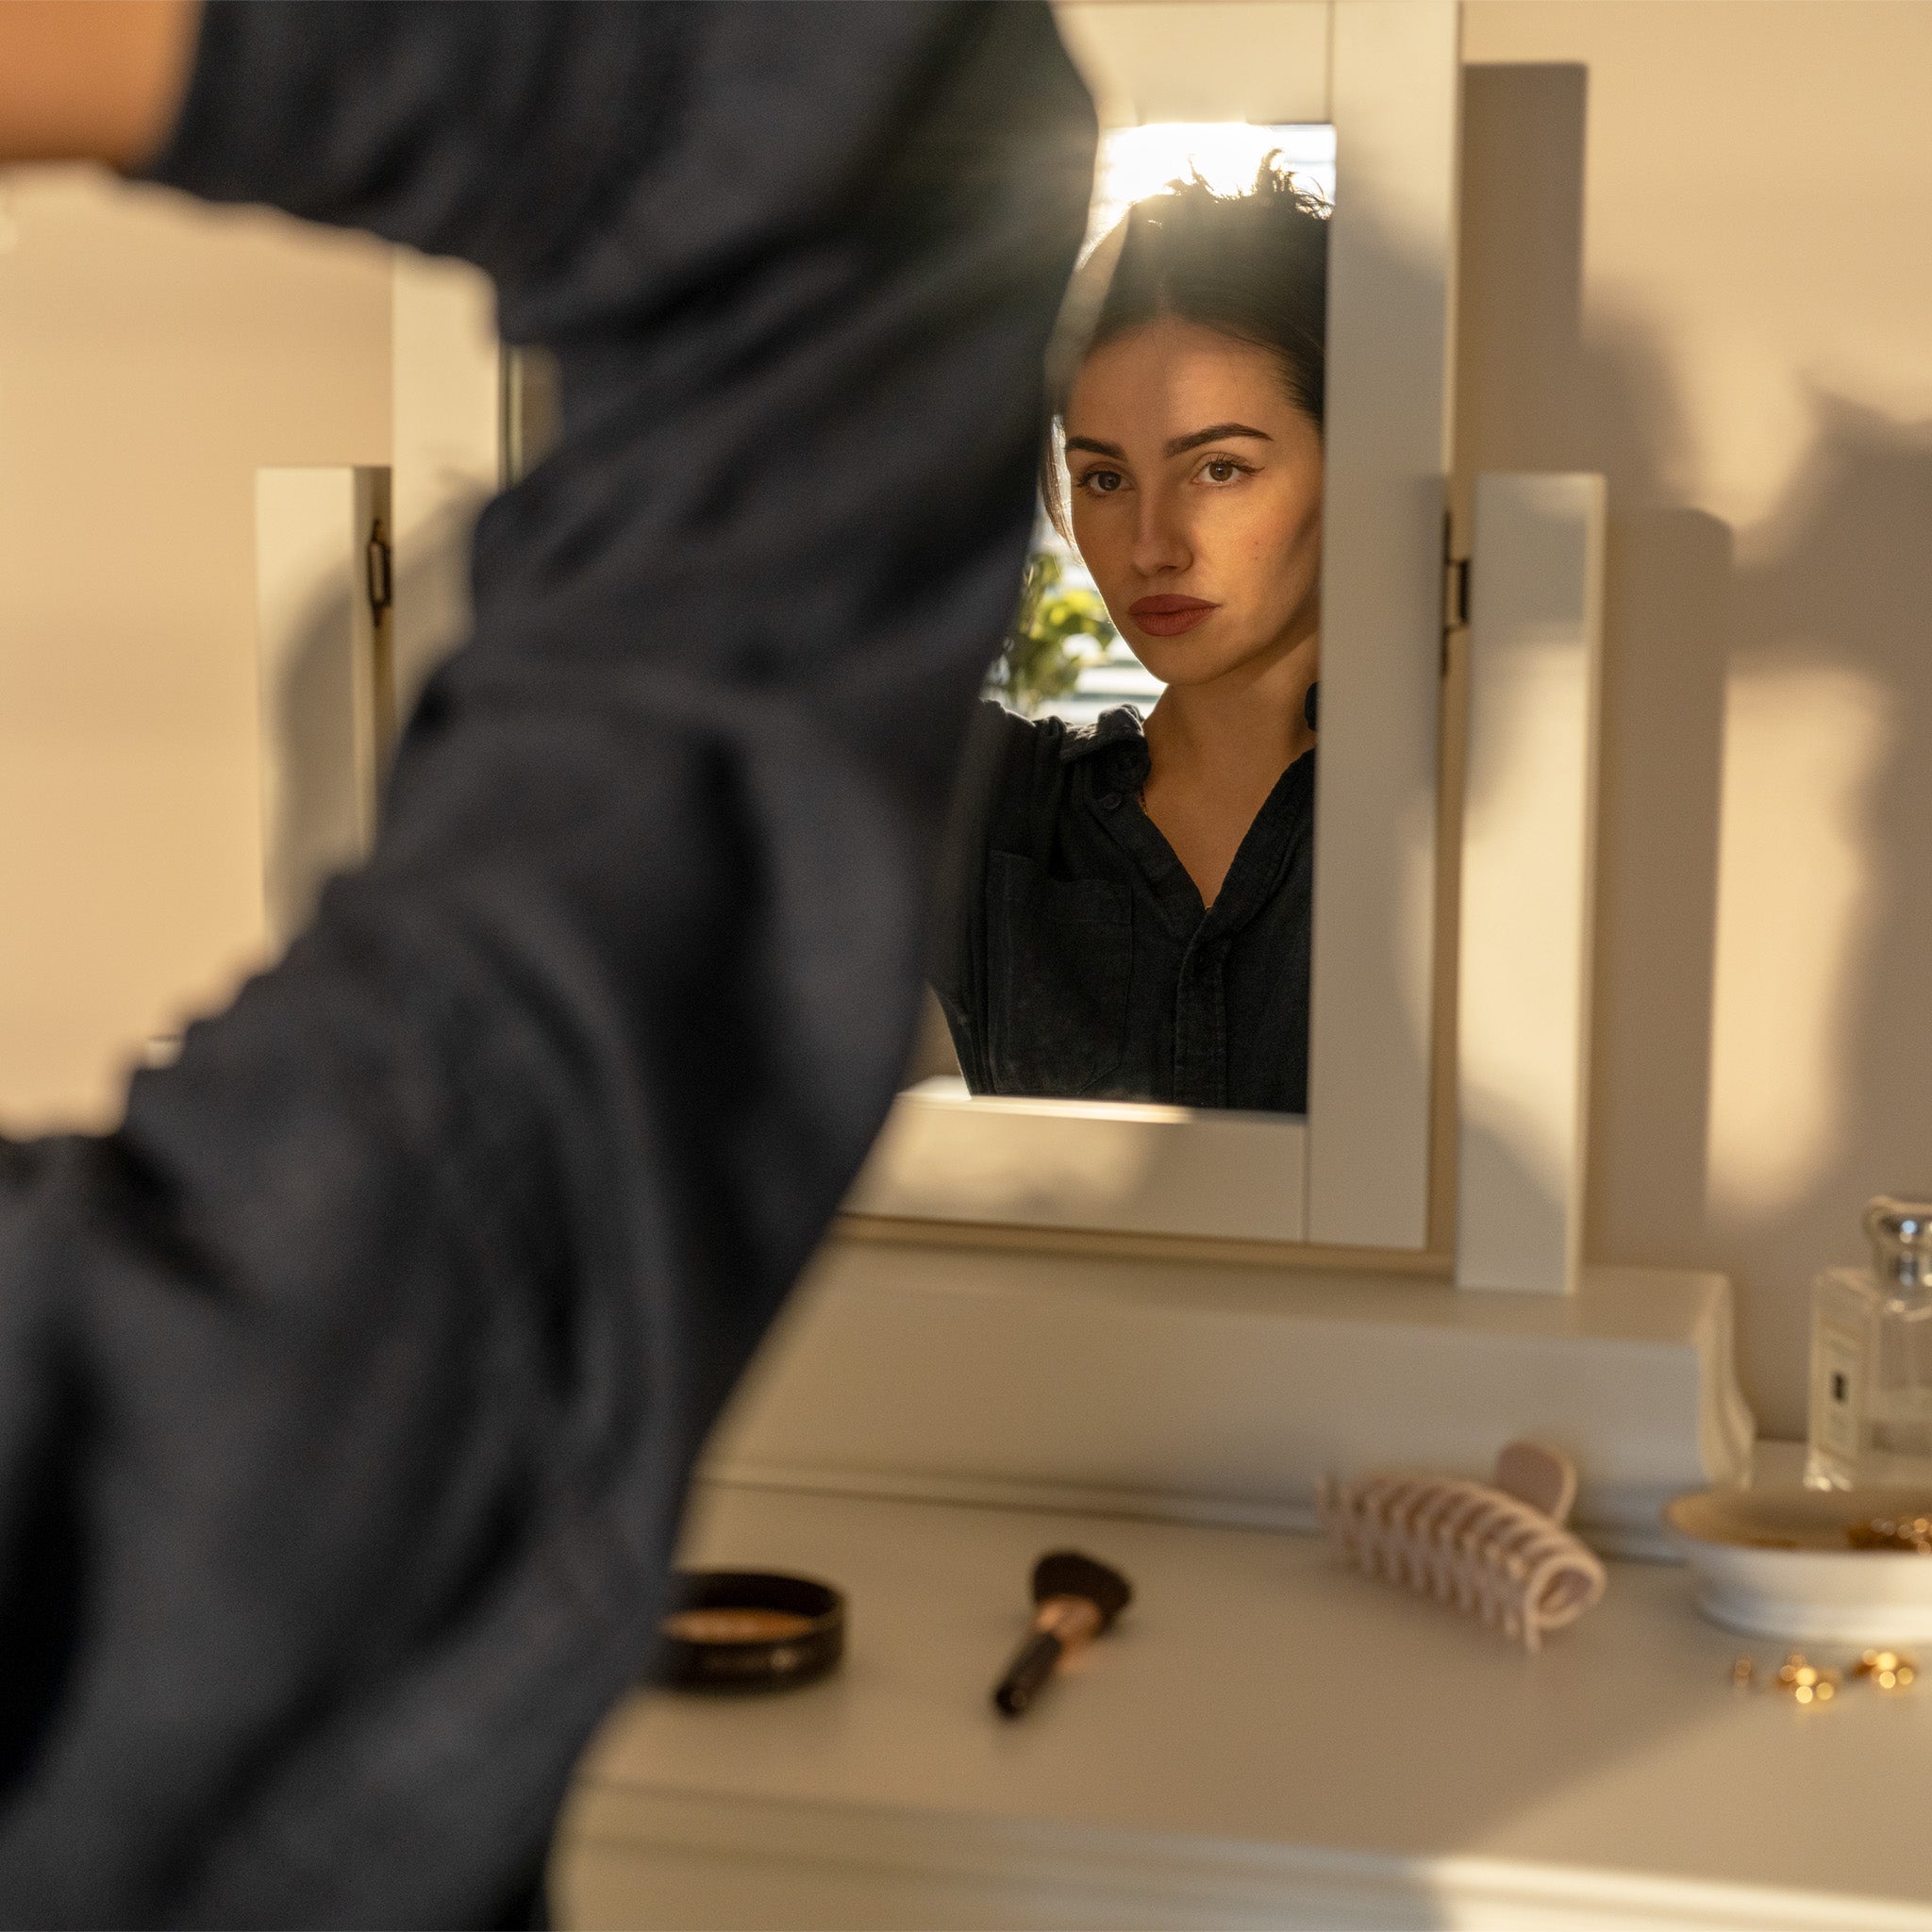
{"points": [[348, 1394]]}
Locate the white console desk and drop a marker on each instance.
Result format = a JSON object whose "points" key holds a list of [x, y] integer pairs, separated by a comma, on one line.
{"points": [[1267, 1740]]}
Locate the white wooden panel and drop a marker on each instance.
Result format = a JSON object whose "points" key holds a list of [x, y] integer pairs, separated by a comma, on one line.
{"points": [[639, 1856], [323, 679], [1536, 646], [1210, 1393], [1259, 60], [448, 400], [1071, 1163], [1394, 97]]}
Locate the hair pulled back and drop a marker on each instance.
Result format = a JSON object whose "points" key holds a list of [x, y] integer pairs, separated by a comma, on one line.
{"points": [[1252, 265]]}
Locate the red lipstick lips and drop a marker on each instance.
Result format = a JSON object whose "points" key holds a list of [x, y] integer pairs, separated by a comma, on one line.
{"points": [[1168, 617]]}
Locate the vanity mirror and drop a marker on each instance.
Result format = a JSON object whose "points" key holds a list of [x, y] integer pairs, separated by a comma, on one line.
{"points": [[1126, 913], [1186, 908]]}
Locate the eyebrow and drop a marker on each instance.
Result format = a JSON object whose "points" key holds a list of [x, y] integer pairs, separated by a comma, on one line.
{"points": [[1179, 446], [1214, 434]]}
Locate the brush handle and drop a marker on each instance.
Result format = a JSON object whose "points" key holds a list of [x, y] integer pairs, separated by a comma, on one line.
{"points": [[1031, 1667]]}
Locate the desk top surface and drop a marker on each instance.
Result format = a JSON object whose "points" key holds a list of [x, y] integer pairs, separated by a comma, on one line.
{"points": [[1256, 1692]]}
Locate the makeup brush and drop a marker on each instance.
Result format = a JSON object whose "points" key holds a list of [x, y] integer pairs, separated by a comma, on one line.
{"points": [[1075, 1598]]}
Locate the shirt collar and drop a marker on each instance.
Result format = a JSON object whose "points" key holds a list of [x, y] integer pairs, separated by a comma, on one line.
{"points": [[1110, 727], [1117, 734]]}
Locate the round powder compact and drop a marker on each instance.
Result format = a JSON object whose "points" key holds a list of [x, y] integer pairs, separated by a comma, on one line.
{"points": [[748, 1630]]}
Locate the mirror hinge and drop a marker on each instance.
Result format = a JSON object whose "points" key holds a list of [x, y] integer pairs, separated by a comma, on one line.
{"points": [[380, 569], [1455, 593]]}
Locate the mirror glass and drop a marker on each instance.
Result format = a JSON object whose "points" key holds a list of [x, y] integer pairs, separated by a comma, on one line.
{"points": [[1126, 905]]}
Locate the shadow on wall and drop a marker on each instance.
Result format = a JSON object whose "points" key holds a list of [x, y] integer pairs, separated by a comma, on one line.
{"points": [[1762, 1050]]}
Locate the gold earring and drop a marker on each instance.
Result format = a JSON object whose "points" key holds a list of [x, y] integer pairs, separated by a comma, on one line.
{"points": [[1805, 1682], [1886, 1668], [1892, 1533]]}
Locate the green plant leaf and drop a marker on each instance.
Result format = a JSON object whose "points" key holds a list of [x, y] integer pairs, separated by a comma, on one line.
{"points": [[1057, 632]]}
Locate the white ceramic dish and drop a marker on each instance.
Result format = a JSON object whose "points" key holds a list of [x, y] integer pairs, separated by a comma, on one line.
{"points": [[1778, 1562]]}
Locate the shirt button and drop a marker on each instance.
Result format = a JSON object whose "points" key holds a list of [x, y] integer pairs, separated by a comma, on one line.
{"points": [[1108, 801]]}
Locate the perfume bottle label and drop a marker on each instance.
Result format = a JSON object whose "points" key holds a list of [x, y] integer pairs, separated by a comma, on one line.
{"points": [[1837, 1404]]}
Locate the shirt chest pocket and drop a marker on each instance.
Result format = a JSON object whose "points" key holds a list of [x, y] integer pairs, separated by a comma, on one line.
{"points": [[1061, 966]]}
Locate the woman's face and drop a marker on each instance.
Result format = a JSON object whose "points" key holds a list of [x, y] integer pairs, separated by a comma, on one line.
{"points": [[1196, 499]]}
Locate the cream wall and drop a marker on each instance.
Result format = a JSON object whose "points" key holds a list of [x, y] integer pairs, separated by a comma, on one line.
{"points": [[1699, 258], [1695, 259], [152, 356]]}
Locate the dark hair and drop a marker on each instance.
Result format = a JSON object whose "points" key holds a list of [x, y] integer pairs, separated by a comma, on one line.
{"points": [[1253, 265]]}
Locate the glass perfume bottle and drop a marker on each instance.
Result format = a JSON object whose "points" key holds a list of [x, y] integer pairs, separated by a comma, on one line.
{"points": [[1872, 1358]]}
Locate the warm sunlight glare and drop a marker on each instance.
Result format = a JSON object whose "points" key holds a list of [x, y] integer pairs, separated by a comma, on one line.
{"points": [[1136, 161]]}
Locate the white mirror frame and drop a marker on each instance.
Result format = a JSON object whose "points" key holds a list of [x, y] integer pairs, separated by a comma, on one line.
{"points": [[1355, 1173]]}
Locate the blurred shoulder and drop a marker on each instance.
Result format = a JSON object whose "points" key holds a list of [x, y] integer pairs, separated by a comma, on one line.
{"points": [[1055, 741], [1119, 726]]}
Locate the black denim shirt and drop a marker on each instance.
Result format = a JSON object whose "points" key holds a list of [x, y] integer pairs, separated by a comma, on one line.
{"points": [[1078, 961]]}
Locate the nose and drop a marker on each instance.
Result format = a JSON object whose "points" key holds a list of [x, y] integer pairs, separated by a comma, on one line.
{"points": [[1160, 538]]}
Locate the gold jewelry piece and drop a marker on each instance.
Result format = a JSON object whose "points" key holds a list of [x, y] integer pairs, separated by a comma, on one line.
{"points": [[1887, 1668], [1805, 1682], [1810, 1683], [1892, 1533]]}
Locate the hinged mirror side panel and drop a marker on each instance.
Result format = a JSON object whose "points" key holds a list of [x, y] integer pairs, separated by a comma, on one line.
{"points": [[1395, 93], [1529, 836], [323, 576]]}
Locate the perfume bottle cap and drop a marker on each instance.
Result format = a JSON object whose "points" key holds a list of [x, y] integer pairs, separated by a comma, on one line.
{"points": [[1901, 1233]]}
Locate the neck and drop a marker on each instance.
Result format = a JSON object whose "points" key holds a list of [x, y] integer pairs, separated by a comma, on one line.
{"points": [[1242, 730]]}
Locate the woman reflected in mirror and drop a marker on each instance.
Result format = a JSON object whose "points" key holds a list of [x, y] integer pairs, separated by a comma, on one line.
{"points": [[1131, 917]]}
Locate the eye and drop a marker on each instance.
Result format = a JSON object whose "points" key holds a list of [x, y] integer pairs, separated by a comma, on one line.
{"points": [[1222, 470], [1102, 482]]}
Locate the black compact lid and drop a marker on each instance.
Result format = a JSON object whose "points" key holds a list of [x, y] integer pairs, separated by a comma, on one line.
{"points": [[807, 1649]]}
